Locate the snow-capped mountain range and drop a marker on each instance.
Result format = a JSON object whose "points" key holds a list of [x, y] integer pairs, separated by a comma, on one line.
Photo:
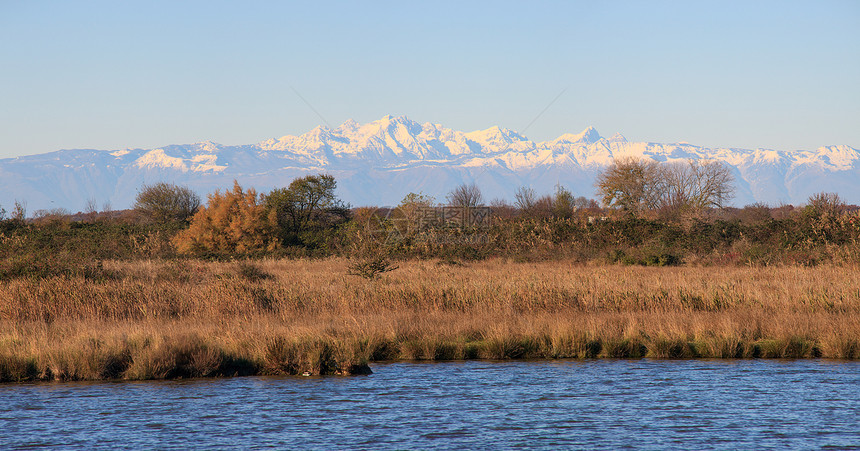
{"points": [[379, 162]]}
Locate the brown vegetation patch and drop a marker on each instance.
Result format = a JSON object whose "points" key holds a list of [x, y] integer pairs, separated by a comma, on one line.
{"points": [[168, 319]]}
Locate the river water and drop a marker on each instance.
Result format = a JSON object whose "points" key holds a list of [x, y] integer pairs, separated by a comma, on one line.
{"points": [[647, 404]]}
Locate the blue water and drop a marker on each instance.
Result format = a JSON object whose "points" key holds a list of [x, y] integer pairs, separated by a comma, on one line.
{"points": [[475, 405]]}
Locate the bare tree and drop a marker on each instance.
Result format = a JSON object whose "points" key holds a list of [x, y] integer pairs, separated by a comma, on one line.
{"points": [[695, 185], [107, 210], [164, 202], [91, 209], [635, 185], [525, 198], [466, 196], [630, 184]]}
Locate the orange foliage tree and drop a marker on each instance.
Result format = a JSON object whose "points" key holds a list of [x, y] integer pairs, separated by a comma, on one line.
{"points": [[235, 222]]}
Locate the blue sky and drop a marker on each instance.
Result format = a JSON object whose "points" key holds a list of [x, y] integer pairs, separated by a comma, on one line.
{"points": [[111, 75]]}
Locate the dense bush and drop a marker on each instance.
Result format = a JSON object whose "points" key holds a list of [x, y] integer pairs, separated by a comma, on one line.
{"points": [[307, 211], [69, 248], [235, 222]]}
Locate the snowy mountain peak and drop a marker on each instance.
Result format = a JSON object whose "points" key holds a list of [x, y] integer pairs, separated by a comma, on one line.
{"points": [[617, 138], [587, 136], [208, 146], [348, 126], [838, 157], [389, 120], [159, 159], [378, 162], [319, 130], [496, 138], [388, 124]]}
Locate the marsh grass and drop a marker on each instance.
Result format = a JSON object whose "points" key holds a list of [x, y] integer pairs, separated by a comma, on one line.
{"points": [[177, 319]]}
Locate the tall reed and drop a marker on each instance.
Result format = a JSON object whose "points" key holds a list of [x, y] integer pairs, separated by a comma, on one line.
{"points": [[164, 319]]}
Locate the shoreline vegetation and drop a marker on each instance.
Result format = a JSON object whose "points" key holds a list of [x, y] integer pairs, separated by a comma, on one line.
{"points": [[295, 282], [157, 319]]}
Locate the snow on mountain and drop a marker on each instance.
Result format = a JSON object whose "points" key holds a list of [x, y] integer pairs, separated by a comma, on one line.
{"points": [[587, 136], [379, 162], [617, 138], [158, 159]]}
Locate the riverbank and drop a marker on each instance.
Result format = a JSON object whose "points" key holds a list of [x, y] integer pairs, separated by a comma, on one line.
{"points": [[168, 319]]}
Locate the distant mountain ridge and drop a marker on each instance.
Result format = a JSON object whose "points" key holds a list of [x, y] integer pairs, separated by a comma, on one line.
{"points": [[379, 162]]}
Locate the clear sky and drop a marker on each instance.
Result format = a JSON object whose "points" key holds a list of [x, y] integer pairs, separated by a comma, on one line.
{"points": [[116, 74]]}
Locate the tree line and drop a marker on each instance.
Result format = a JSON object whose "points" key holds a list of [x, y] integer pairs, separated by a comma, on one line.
{"points": [[647, 212], [307, 213]]}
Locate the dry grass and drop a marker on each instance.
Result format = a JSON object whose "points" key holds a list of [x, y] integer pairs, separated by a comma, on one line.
{"points": [[164, 319]]}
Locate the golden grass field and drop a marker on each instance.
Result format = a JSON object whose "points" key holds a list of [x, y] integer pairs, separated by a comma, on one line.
{"points": [[189, 318]]}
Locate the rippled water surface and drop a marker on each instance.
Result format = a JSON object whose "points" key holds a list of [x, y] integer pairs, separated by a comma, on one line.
{"points": [[562, 404]]}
